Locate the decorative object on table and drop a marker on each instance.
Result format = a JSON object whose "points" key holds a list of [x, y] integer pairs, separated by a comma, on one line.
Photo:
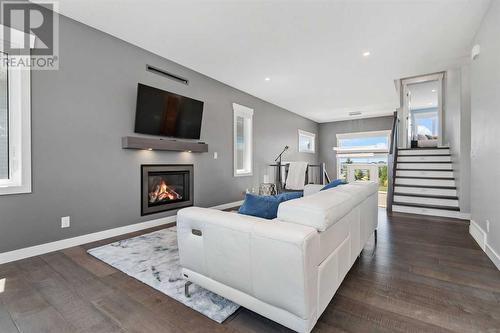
{"points": [[279, 180], [265, 206], [154, 260], [267, 189], [251, 190]]}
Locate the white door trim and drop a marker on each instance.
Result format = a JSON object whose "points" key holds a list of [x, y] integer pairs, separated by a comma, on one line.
{"points": [[406, 112]]}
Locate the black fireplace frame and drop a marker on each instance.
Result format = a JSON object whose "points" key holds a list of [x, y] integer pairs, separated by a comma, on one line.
{"points": [[146, 168]]}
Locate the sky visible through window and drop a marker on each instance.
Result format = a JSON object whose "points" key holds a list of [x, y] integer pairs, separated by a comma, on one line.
{"points": [[425, 126], [373, 141]]}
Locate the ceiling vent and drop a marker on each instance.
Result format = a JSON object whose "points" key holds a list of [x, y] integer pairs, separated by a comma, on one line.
{"points": [[355, 113], [166, 74]]}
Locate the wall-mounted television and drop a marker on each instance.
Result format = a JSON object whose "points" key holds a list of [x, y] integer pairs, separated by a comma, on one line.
{"points": [[160, 112]]}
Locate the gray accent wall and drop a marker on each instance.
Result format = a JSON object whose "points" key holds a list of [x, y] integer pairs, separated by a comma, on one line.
{"points": [[80, 113], [328, 137], [485, 128]]}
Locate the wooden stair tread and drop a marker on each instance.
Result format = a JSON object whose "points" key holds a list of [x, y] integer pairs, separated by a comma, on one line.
{"points": [[426, 206], [430, 196]]}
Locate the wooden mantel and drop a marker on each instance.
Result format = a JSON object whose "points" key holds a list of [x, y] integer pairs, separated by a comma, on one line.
{"points": [[135, 142]]}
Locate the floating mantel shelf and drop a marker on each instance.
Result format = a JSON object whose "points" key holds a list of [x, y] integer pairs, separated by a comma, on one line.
{"points": [[135, 142]]}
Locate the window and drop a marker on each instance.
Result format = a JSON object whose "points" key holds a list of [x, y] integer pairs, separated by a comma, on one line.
{"points": [[15, 119], [307, 142], [379, 159], [375, 141], [364, 149], [243, 153], [4, 123], [424, 122]]}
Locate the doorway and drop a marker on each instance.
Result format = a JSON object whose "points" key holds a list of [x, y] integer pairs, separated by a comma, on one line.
{"points": [[422, 111]]}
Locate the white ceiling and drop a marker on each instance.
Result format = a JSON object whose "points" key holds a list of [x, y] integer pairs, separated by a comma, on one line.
{"points": [[310, 50]]}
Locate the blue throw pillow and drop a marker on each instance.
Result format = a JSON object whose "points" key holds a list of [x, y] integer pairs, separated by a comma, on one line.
{"points": [[333, 184], [265, 206], [290, 195]]}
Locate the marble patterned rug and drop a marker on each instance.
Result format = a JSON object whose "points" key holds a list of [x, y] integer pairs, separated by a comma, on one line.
{"points": [[154, 260]]}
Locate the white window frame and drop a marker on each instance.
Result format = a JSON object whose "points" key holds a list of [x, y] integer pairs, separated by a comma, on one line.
{"points": [[240, 111], [405, 133], [310, 136], [367, 134], [361, 151], [19, 104]]}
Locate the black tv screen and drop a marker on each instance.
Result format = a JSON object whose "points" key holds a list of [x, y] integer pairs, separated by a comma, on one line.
{"points": [[160, 112]]}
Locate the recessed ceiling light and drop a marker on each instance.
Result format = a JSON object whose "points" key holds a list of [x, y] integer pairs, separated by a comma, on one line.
{"points": [[433, 90], [355, 113], [267, 79], [366, 53]]}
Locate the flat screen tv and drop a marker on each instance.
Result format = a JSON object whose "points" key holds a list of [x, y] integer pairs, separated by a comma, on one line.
{"points": [[160, 112]]}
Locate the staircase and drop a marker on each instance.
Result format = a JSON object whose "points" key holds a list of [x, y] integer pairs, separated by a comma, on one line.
{"points": [[424, 183]]}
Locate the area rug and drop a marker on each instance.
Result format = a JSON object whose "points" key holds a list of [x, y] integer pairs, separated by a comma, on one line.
{"points": [[154, 260]]}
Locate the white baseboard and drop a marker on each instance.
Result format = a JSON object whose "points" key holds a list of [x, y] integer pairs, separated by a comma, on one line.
{"points": [[37, 250], [481, 238], [478, 234], [493, 255]]}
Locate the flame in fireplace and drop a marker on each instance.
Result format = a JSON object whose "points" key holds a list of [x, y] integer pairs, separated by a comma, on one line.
{"points": [[162, 192]]}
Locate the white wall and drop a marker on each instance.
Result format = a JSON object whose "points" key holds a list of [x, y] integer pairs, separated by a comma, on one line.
{"points": [[485, 128], [456, 128]]}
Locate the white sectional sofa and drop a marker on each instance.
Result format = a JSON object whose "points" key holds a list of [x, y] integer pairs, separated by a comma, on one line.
{"points": [[286, 269]]}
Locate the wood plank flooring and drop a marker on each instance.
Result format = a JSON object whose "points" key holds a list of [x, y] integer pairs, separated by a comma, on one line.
{"points": [[424, 275]]}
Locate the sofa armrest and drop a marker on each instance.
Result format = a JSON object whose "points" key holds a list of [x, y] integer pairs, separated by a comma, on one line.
{"points": [[262, 258]]}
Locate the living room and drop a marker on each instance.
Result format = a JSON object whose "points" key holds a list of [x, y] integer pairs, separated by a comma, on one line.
{"points": [[334, 158]]}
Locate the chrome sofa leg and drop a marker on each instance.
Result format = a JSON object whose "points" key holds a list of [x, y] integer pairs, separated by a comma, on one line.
{"points": [[186, 288]]}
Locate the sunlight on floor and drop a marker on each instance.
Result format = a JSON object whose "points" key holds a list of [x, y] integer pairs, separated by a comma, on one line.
{"points": [[2, 285]]}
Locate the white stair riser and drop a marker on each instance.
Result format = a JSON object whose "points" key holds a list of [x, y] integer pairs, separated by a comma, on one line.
{"points": [[423, 190], [426, 201], [424, 159], [423, 152], [430, 174], [425, 182], [427, 211], [434, 166]]}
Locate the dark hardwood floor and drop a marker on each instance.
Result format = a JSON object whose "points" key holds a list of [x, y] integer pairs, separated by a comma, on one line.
{"points": [[425, 275]]}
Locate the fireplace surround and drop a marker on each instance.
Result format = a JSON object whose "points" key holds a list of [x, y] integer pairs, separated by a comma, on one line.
{"points": [[165, 187]]}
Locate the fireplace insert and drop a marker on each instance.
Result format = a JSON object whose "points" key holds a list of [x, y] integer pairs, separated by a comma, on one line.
{"points": [[166, 187]]}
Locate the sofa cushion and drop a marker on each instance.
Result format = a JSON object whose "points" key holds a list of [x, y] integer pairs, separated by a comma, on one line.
{"points": [[310, 189], [325, 208], [361, 187]]}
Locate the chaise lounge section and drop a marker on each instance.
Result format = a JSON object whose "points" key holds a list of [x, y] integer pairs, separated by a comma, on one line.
{"points": [[286, 269]]}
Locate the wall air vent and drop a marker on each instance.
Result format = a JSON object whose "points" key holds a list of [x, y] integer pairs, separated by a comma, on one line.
{"points": [[166, 74], [355, 113]]}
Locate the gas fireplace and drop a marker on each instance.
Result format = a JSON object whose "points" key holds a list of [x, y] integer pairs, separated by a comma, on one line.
{"points": [[166, 187]]}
